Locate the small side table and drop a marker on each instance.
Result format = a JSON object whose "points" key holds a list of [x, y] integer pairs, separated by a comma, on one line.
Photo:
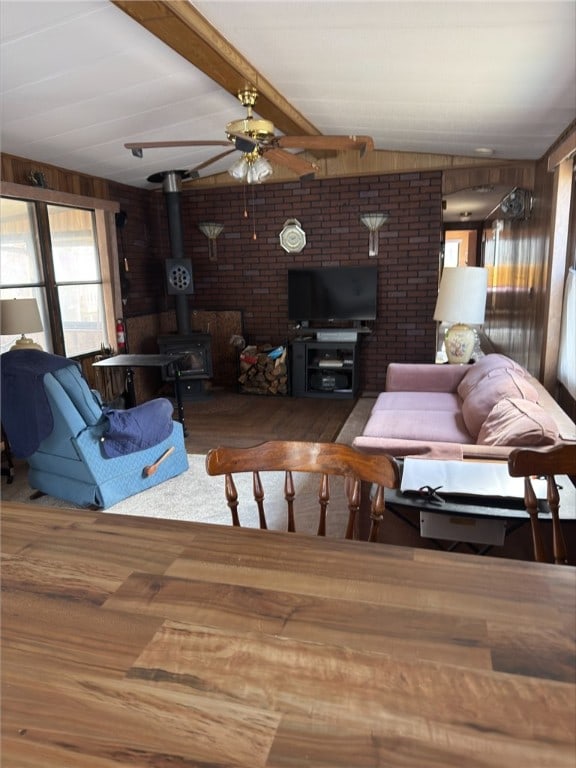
{"points": [[170, 363]]}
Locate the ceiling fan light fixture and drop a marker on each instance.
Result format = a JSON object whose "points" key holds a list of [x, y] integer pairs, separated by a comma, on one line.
{"points": [[251, 167], [239, 169], [259, 170]]}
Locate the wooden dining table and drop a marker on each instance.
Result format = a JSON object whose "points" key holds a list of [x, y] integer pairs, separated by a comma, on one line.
{"points": [[153, 643]]}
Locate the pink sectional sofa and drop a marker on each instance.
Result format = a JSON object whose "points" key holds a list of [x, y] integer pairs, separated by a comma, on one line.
{"points": [[483, 410]]}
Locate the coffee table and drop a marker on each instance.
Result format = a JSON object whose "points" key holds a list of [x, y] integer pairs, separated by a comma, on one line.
{"points": [[479, 521]]}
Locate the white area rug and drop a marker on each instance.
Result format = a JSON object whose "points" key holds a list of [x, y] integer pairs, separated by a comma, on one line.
{"points": [[196, 496]]}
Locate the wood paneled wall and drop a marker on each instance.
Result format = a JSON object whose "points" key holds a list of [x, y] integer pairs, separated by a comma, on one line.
{"points": [[22, 171], [516, 253]]}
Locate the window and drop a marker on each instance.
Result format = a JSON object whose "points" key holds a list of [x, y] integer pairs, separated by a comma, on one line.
{"points": [[58, 254]]}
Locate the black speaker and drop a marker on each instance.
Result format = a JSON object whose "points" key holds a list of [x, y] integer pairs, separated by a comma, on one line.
{"points": [[179, 276]]}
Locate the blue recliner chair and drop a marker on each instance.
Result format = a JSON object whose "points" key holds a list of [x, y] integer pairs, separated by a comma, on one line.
{"points": [[77, 449]]}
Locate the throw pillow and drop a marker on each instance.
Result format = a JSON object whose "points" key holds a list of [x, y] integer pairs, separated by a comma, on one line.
{"points": [[484, 367], [518, 422], [483, 397]]}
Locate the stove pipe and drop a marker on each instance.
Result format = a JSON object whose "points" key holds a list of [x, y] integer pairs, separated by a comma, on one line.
{"points": [[171, 185]]}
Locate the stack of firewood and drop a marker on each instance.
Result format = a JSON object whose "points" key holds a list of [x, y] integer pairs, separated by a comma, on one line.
{"points": [[263, 370]]}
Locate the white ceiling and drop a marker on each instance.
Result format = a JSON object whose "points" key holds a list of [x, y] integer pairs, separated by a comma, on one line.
{"points": [[80, 78]]}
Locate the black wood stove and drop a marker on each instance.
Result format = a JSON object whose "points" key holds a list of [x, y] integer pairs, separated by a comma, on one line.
{"points": [[196, 366]]}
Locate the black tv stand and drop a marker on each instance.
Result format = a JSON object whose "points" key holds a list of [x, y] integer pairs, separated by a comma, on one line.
{"points": [[325, 368]]}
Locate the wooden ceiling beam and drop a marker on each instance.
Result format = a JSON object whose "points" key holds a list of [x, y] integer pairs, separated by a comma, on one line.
{"points": [[181, 27]]}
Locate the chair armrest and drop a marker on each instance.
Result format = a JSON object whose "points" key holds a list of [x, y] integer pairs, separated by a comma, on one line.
{"points": [[424, 377]]}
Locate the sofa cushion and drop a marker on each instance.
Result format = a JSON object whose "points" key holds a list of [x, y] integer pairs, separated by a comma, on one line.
{"points": [[418, 401], [424, 377], [429, 426], [485, 366], [518, 422], [480, 400]]}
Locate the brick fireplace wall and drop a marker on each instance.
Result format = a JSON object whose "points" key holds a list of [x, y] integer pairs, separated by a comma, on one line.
{"points": [[251, 274]]}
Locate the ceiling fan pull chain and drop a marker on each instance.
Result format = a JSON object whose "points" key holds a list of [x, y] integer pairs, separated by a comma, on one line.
{"points": [[245, 203], [254, 236]]}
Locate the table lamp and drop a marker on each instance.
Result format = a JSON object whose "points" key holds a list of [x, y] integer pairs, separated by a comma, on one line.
{"points": [[462, 301], [20, 316]]}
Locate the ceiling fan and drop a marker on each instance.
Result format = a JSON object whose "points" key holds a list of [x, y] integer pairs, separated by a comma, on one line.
{"points": [[255, 138]]}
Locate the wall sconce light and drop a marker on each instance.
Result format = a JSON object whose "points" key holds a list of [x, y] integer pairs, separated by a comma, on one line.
{"points": [[211, 229], [373, 221], [21, 316]]}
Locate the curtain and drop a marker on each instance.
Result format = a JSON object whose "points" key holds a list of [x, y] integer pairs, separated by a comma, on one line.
{"points": [[567, 358]]}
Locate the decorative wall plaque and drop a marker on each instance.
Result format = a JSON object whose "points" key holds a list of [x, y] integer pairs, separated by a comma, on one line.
{"points": [[292, 237]]}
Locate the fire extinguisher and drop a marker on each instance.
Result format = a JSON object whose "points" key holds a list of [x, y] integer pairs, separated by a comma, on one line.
{"points": [[120, 336]]}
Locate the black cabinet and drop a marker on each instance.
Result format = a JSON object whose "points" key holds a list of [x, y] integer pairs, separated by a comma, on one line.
{"points": [[324, 368]]}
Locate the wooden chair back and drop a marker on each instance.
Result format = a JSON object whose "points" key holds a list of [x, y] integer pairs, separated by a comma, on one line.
{"points": [[544, 462], [360, 470]]}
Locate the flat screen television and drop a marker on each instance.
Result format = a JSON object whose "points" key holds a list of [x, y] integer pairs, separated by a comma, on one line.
{"points": [[332, 294]]}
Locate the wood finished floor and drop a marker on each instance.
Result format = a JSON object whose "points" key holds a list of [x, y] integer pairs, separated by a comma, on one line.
{"points": [[236, 420]]}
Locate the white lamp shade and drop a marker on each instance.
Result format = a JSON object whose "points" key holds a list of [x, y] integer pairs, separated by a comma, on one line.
{"points": [[462, 295], [20, 316]]}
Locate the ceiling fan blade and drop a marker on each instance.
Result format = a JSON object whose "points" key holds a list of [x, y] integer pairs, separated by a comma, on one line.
{"points": [[193, 172], [302, 168], [362, 143], [138, 147]]}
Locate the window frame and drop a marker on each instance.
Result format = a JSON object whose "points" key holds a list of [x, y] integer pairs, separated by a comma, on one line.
{"points": [[104, 213]]}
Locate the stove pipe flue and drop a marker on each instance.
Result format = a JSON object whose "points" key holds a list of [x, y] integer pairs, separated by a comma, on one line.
{"points": [[171, 185]]}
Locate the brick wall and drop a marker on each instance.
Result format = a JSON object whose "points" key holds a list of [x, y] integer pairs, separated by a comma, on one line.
{"points": [[251, 275]]}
